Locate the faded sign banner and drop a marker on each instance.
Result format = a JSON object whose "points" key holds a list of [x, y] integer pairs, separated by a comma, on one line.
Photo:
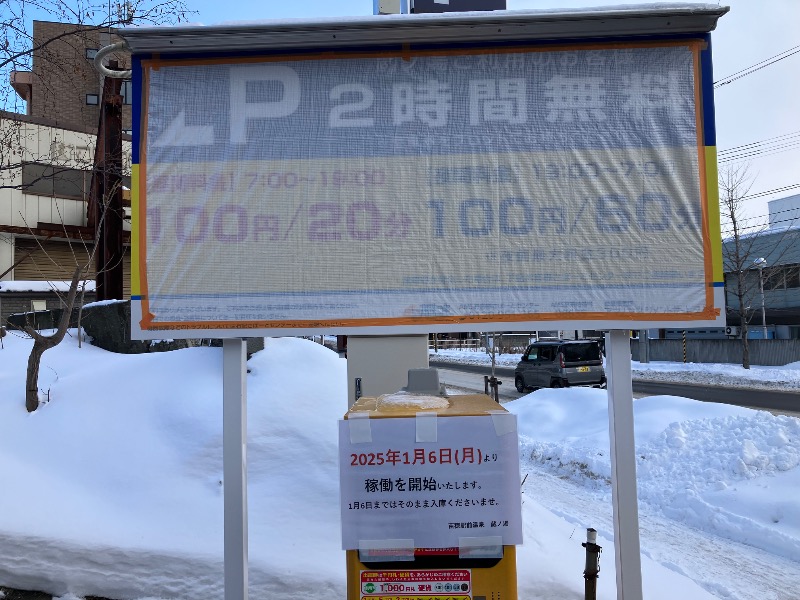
{"points": [[443, 190]]}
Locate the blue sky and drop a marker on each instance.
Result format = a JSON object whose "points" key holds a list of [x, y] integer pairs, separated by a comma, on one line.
{"points": [[752, 109]]}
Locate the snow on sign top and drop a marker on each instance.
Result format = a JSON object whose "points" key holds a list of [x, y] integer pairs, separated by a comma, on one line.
{"points": [[43, 286], [632, 19], [483, 187]]}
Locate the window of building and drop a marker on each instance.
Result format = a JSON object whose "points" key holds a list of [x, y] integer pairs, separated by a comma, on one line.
{"points": [[793, 276], [91, 53], [774, 278], [127, 92], [782, 277], [60, 182], [93, 99]]}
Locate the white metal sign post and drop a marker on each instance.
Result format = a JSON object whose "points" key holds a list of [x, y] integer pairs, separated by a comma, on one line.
{"points": [[234, 449], [623, 466]]}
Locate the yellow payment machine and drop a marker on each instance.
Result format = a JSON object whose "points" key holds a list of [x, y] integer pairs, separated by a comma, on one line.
{"points": [[430, 496]]}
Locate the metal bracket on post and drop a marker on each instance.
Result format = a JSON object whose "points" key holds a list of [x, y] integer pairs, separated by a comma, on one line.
{"points": [[101, 68], [623, 467], [491, 387], [234, 458], [592, 569], [359, 393]]}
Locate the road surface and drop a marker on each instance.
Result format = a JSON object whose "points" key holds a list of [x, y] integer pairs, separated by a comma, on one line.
{"points": [[469, 378]]}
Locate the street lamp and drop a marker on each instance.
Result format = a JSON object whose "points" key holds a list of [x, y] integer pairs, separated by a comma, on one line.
{"points": [[760, 263]]}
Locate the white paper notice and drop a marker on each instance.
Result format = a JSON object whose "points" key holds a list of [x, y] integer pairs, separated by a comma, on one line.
{"points": [[466, 484]]}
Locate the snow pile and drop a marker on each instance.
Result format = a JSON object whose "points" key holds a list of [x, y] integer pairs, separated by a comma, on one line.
{"points": [[472, 357], [44, 286], [121, 472], [695, 461], [759, 452], [757, 377]]}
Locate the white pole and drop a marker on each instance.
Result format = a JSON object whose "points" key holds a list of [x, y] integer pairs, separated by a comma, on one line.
{"points": [[623, 467], [763, 308], [234, 458]]}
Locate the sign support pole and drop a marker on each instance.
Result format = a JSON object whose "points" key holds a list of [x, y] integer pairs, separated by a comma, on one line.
{"points": [[234, 457], [623, 466]]}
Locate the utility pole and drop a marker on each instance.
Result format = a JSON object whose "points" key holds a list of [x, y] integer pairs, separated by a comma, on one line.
{"points": [[105, 200]]}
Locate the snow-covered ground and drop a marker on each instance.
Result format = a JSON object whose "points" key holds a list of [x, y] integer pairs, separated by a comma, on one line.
{"points": [[114, 487]]}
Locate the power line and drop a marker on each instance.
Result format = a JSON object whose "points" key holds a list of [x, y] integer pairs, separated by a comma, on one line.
{"points": [[767, 147], [769, 192], [744, 220], [772, 191], [762, 153], [760, 142], [765, 227], [756, 67], [763, 221], [772, 214]]}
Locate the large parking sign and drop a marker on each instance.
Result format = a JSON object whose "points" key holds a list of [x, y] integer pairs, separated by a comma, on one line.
{"points": [[427, 190]]}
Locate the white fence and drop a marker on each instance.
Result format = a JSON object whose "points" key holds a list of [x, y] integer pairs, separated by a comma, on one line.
{"points": [[762, 352]]}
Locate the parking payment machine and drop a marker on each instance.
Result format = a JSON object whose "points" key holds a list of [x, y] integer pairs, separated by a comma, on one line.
{"points": [[430, 498]]}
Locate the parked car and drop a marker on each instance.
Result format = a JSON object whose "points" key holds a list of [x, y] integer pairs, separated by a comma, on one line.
{"points": [[560, 363]]}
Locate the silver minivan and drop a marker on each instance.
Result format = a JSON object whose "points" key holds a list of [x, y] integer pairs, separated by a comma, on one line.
{"points": [[560, 363]]}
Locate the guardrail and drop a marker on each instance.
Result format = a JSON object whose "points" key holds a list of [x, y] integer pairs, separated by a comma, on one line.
{"points": [[473, 344]]}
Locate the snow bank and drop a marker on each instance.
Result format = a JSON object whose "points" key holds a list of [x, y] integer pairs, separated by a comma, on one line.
{"points": [[698, 463], [114, 488]]}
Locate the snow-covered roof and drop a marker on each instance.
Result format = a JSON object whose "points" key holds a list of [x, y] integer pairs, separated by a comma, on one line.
{"points": [[42, 286]]}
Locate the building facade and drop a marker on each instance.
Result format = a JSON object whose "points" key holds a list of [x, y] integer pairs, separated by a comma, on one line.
{"points": [[772, 261], [44, 188], [63, 86], [47, 159]]}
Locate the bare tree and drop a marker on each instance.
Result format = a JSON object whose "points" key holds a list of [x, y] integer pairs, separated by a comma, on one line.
{"points": [[734, 184], [60, 55], [41, 342], [745, 250], [45, 342]]}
